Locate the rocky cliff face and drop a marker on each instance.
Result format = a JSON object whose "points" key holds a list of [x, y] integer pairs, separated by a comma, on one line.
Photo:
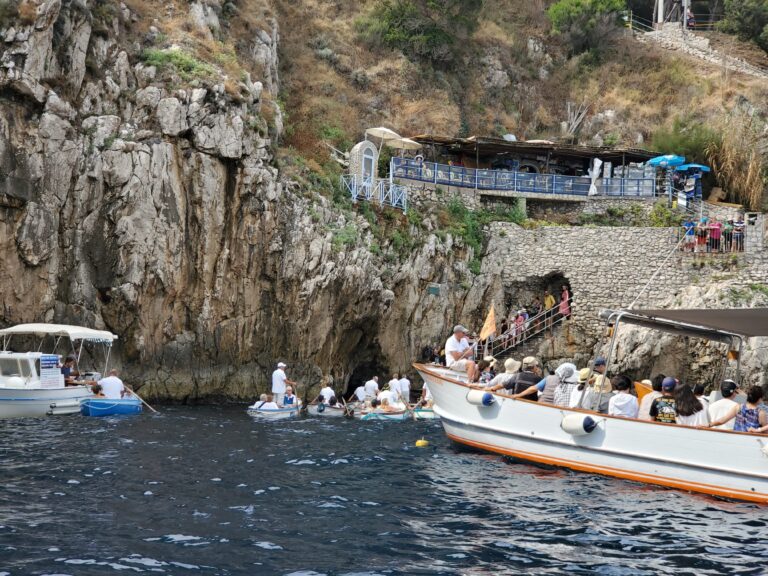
{"points": [[152, 206]]}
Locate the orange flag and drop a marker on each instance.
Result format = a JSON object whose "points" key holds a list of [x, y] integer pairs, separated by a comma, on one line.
{"points": [[489, 327]]}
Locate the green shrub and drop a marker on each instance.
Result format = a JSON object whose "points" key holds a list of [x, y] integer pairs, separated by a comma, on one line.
{"points": [[343, 237], [336, 136], [748, 19], [663, 217], [185, 64], [687, 137], [427, 30], [586, 25]]}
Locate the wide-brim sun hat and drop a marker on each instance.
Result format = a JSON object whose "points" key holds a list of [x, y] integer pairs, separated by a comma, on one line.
{"points": [[511, 365]]}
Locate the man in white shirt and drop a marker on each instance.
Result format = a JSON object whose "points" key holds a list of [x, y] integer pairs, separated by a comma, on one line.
{"points": [[722, 414], [112, 386], [279, 382], [458, 353], [394, 385], [405, 389], [326, 394], [372, 387], [622, 403], [360, 393]]}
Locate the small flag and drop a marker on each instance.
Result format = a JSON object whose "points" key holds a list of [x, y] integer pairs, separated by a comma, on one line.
{"points": [[489, 327]]}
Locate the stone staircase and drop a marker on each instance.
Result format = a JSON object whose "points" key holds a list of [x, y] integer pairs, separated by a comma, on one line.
{"points": [[672, 36]]}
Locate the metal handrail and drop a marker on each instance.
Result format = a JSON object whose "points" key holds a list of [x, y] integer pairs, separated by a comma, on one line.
{"points": [[545, 320]]}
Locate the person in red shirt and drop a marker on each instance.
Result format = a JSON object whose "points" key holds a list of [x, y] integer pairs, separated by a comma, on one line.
{"points": [[715, 231]]}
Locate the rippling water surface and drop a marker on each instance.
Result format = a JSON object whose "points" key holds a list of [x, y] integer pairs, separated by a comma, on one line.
{"points": [[209, 491]]}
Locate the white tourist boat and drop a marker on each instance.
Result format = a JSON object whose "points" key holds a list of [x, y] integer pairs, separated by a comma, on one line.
{"points": [[273, 413], [31, 383], [717, 462]]}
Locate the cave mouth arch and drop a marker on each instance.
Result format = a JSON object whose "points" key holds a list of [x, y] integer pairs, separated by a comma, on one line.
{"points": [[521, 293]]}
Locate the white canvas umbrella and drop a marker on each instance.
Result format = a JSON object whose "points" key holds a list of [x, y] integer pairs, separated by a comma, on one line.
{"points": [[403, 144], [382, 133]]}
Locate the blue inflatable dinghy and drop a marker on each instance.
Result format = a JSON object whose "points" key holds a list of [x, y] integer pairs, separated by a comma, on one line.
{"points": [[109, 406]]}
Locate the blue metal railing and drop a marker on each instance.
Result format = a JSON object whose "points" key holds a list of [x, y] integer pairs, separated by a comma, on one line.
{"points": [[384, 192], [513, 181]]}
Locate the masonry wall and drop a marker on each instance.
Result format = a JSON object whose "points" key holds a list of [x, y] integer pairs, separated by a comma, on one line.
{"points": [[606, 266]]}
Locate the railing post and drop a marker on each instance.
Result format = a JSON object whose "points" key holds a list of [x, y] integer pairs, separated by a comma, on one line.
{"points": [[434, 172]]}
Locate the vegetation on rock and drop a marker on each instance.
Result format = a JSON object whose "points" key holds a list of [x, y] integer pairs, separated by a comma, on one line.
{"points": [[586, 25]]}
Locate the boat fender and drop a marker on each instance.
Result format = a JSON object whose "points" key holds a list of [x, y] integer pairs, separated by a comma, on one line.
{"points": [[321, 408], [480, 398], [578, 424]]}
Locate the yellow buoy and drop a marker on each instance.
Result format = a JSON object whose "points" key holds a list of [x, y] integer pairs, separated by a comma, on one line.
{"points": [[421, 443]]}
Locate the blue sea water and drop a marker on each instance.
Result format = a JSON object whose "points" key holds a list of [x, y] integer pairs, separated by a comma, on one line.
{"points": [[207, 490]]}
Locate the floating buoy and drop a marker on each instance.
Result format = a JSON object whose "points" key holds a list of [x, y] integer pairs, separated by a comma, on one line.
{"points": [[422, 443]]}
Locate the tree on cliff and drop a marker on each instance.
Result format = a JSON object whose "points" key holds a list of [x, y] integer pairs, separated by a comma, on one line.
{"points": [[748, 19], [429, 30], [586, 25]]}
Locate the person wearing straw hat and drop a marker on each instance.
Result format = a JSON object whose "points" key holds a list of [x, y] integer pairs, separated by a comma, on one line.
{"points": [[458, 353], [279, 382], [507, 378]]}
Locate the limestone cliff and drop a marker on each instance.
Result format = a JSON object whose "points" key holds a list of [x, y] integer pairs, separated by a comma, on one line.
{"points": [[149, 202]]}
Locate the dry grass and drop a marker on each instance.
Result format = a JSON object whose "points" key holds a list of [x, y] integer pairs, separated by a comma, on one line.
{"points": [[27, 12]]}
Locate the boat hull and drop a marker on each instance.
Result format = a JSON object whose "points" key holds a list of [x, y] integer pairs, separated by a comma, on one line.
{"points": [[39, 402], [721, 463], [279, 414], [325, 411], [110, 407], [393, 416], [424, 414]]}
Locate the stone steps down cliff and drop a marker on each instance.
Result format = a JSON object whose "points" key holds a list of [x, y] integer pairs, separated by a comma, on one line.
{"points": [[673, 37]]}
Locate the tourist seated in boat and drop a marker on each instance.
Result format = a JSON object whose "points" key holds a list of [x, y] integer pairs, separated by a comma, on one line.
{"points": [[372, 387], [752, 416], [459, 354], [289, 399], [529, 383], [112, 386], [360, 394], [663, 408], [691, 411], [722, 414], [622, 402], [644, 413], [386, 406], [426, 396], [69, 371], [385, 395], [268, 404], [507, 378], [582, 389], [558, 386], [326, 393], [97, 391], [698, 391], [484, 371]]}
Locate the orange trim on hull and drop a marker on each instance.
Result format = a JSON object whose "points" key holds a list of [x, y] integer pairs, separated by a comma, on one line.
{"points": [[618, 473]]}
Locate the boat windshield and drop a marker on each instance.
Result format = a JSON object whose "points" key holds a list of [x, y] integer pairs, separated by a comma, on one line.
{"points": [[9, 367]]}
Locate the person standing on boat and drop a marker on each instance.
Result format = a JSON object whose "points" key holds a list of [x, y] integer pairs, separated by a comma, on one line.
{"points": [[326, 393], [622, 403], [722, 414], [458, 353], [394, 386], [112, 386], [360, 394], [645, 405], [404, 389], [663, 409], [372, 387], [279, 382]]}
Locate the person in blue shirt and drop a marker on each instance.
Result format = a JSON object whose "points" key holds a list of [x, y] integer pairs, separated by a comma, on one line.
{"points": [[290, 398], [689, 243]]}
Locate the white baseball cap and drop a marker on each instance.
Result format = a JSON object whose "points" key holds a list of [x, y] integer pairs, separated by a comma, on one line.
{"points": [[281, 365]]}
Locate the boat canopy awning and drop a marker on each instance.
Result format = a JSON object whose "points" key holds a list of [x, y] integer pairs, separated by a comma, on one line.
{"points": [[71, 332], [748, 322]]}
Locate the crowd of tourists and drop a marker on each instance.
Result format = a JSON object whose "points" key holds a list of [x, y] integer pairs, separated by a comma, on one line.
{"points": [[712, 236], [669, 401]]}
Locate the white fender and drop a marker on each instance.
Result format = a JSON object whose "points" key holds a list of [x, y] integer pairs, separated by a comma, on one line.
{"points": [[578, 424], [480, 398]]}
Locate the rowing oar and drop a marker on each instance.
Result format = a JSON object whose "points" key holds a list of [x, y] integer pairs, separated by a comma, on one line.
{"points": [[347, 411], [140, 398]]}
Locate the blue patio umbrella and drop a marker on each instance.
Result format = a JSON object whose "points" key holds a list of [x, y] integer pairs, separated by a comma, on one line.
{"points": [[667, 161], [686, 167]]}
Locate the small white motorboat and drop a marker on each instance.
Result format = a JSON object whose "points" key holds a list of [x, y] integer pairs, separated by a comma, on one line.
{"points": [[32, 383], [398, 416], [273, 413], [327, 411]]}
